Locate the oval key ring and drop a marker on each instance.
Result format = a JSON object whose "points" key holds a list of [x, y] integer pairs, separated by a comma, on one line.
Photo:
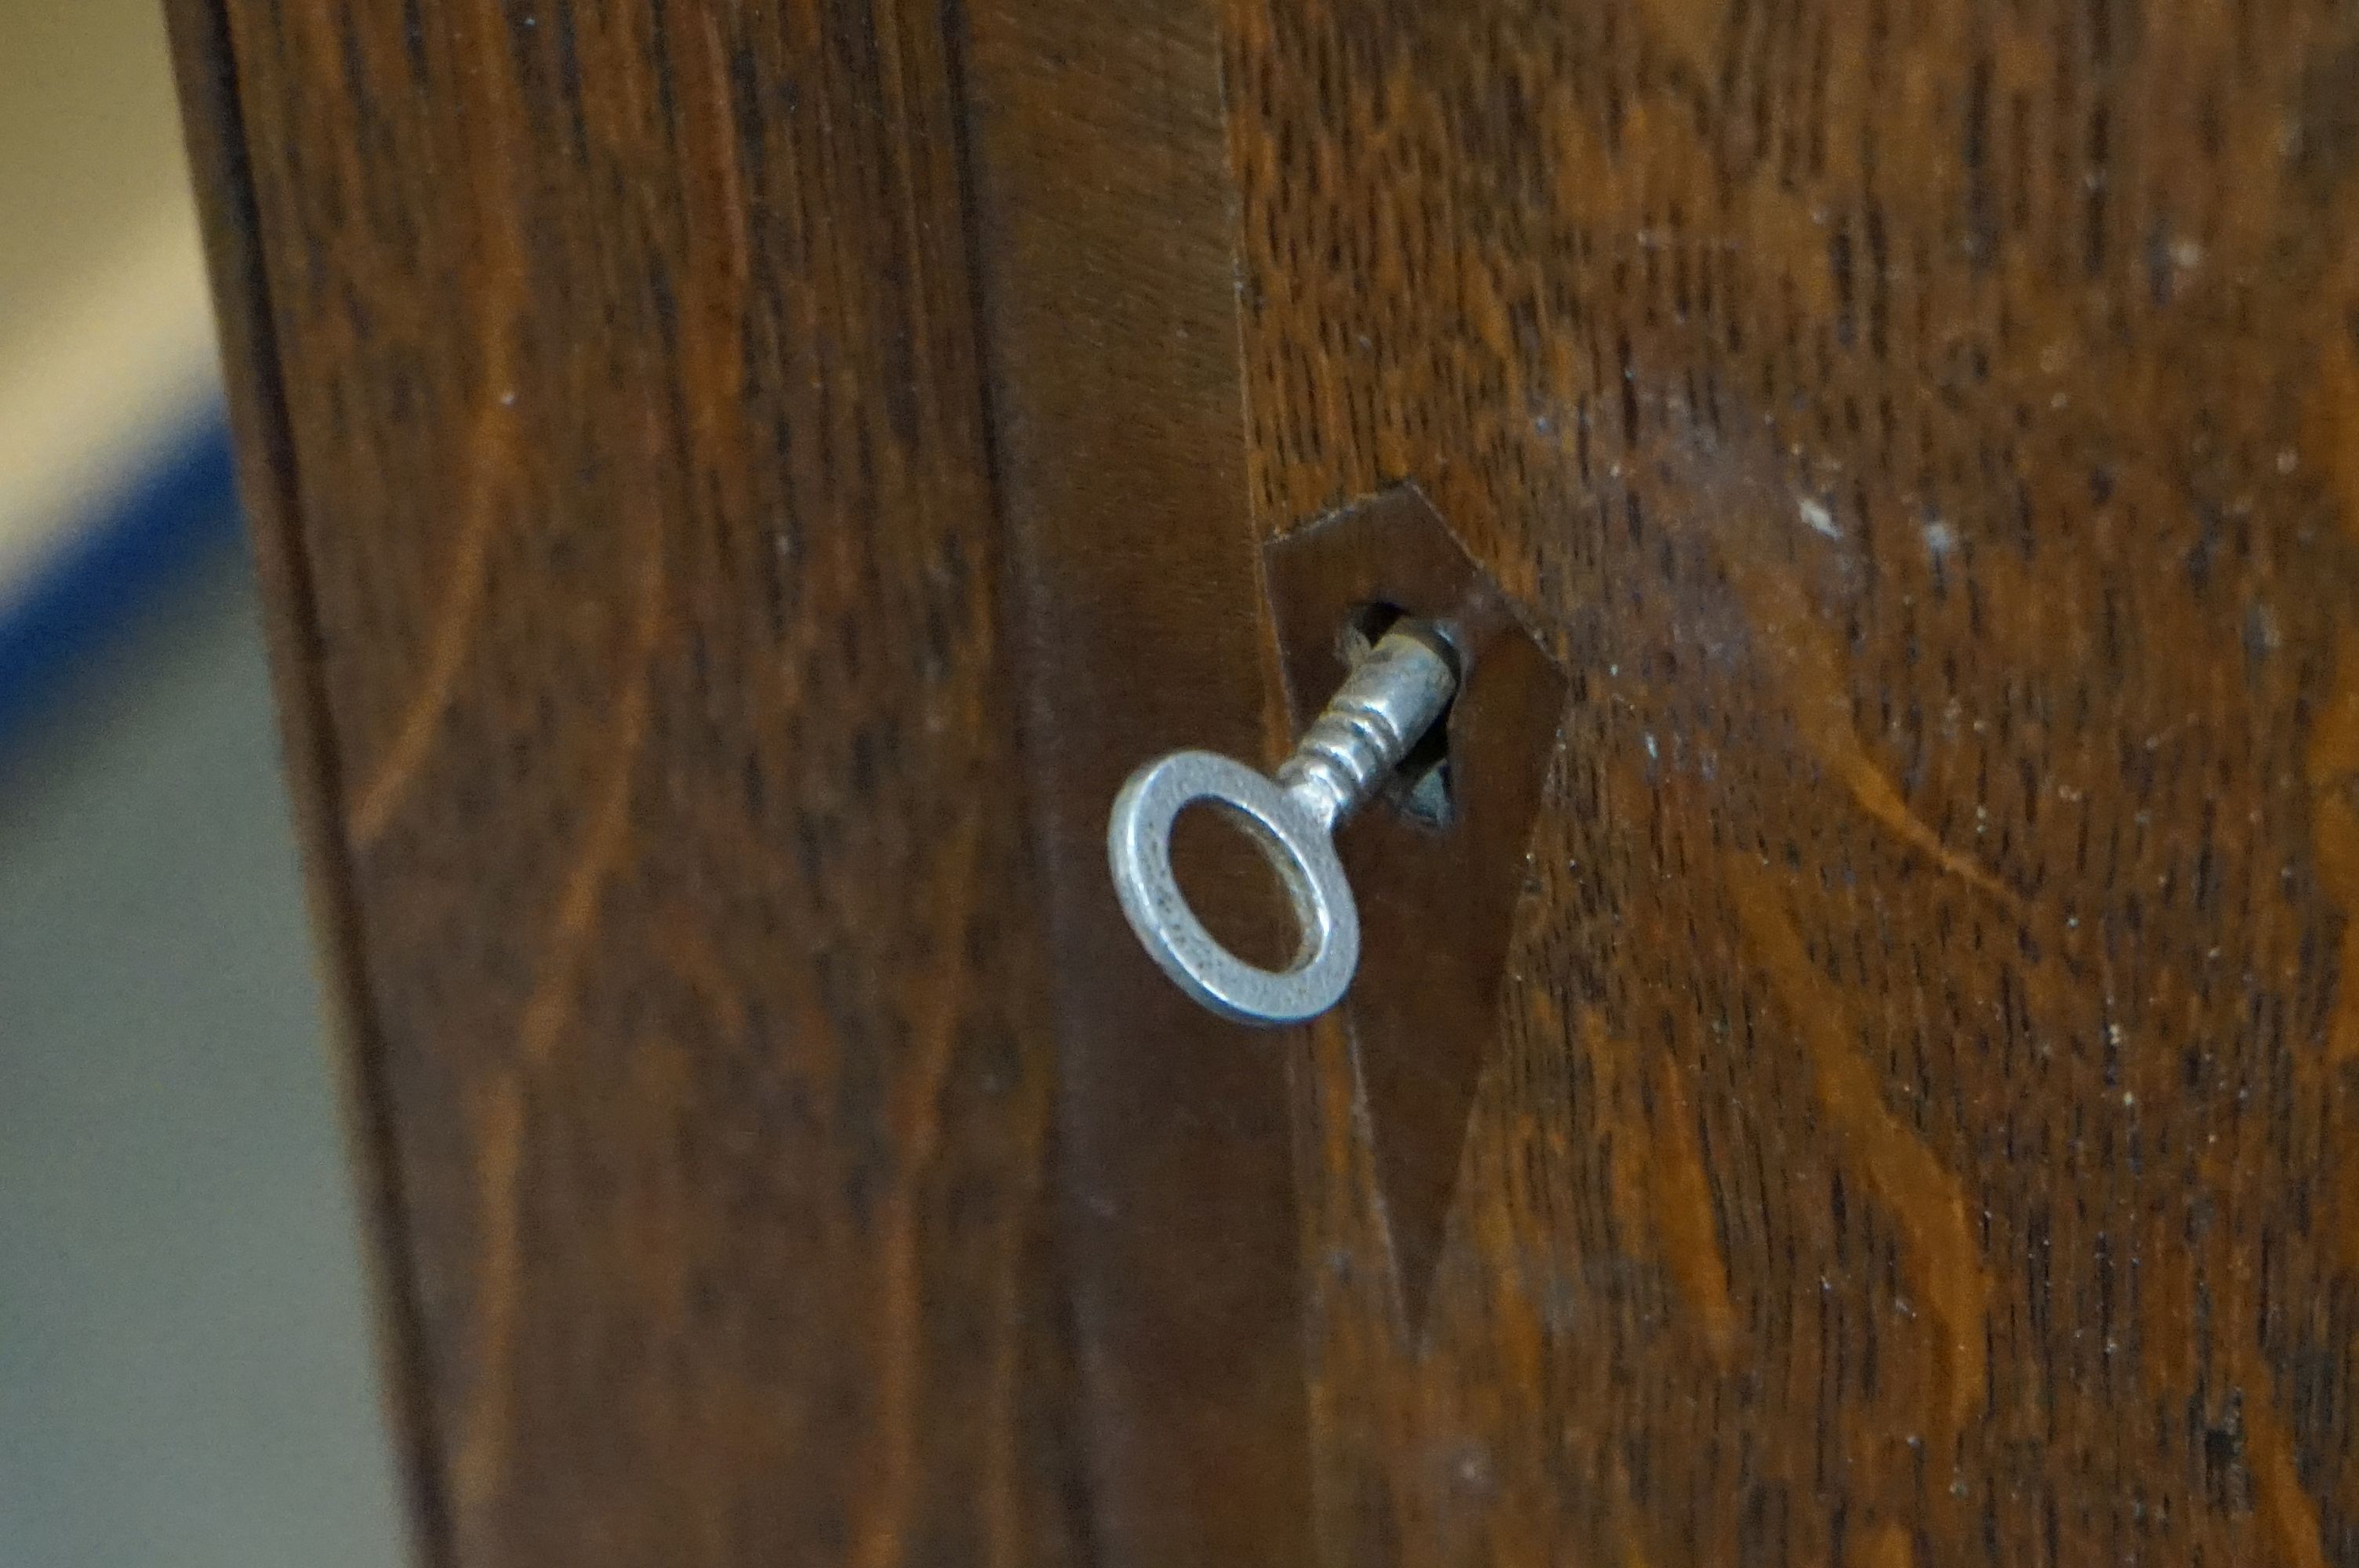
{"points": [[1388, 702], [1138, 840]]}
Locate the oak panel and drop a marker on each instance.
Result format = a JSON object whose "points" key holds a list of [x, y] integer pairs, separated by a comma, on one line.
{"points": [[615, 371], [1106, 249], [1924, 1128]]}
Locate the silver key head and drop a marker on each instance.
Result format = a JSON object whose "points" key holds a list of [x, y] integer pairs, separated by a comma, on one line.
{"points": [[1138, 845]]}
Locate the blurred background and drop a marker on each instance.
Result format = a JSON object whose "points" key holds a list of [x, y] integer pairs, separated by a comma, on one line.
{"points": [[185, 1371]]}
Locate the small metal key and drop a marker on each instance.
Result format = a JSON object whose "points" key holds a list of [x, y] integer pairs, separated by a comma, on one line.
{"points": [[1387, 704]]}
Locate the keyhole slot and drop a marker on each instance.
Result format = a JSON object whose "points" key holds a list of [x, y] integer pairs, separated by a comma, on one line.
{"points": [[1419, 787]]}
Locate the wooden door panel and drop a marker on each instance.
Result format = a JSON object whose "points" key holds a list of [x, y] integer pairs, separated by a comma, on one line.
{"points": [[1102, 212], [1922, 1134], [740, 483], [646, 616]]}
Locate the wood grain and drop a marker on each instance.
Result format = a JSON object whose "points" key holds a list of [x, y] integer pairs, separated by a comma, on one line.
{"points": [[740, 482], [205, 73], [1437, 895], [1925, 1128], [1107, 255], [613, 377]]}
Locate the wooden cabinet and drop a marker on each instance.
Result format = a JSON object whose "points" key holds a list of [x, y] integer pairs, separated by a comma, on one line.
{"points": [[741, 484]]}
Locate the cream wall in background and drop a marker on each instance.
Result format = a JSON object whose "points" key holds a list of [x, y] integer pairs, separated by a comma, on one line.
{"points": [[106, 350], [185, 1372]]}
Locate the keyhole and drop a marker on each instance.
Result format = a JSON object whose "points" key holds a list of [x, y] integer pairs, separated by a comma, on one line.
{"points": [[1419, 788]]}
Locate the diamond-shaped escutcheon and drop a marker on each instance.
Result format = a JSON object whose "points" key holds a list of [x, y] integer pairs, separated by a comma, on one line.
{"points": [[1438, 870]]}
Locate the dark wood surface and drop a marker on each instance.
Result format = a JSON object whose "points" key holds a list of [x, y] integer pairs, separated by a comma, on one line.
{"points": [[740, 483], [1924, 1129], [1108, 273], [614, 386], [1437, 884], [222, 175]]}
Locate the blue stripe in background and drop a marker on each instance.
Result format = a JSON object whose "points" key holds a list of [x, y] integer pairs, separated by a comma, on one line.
{"points": [[179, 511]]}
